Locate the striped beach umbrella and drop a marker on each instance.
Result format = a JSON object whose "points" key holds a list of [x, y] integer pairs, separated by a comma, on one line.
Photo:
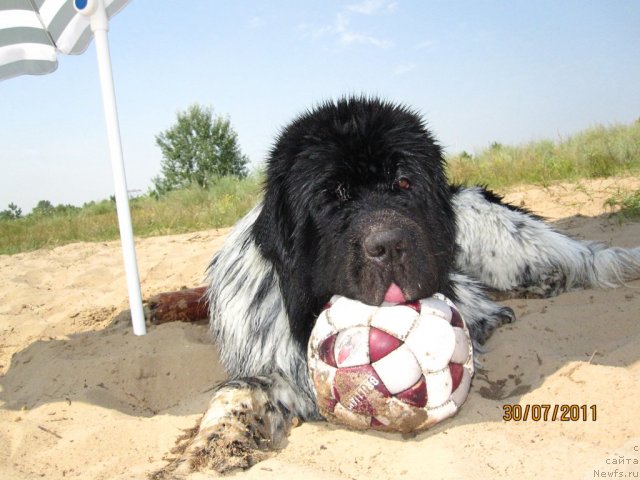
{"points": [[32, 33]]}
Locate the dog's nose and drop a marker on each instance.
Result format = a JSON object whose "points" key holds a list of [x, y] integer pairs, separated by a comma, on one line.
{"points": [[386, 246]]}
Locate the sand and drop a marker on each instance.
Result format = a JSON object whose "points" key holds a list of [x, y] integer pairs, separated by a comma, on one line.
{"points": [[82, 397]]}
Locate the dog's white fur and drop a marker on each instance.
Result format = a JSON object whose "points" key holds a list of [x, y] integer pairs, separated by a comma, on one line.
{"points": [[498, 246]]}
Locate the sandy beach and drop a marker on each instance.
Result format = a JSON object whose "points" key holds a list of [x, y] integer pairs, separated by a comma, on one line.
{"points": [[82, 397]]}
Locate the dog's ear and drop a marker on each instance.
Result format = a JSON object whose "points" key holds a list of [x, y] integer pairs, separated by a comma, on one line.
{"points": [[273, 228], [285, 238]]}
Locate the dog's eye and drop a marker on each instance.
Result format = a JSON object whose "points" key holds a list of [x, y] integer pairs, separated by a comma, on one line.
{"points": [[403, 183]]}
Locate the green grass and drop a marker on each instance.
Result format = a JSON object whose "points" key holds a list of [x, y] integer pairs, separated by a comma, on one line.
{"points": [[186, 210], [597, 152], [628, 205]]}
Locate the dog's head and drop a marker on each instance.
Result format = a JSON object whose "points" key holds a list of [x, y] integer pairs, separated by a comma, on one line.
{"points": [[356, 200]]}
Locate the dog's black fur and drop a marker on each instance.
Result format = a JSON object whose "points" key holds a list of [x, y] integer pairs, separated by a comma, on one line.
{"points": [[356, 198], [334, 182]]}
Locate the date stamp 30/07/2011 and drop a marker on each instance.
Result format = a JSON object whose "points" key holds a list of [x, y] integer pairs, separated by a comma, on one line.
{"points": [[542, 412]]}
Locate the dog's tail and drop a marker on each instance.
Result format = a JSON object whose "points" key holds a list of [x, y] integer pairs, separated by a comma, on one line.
{"points": [[565, 263], [593, 264]]}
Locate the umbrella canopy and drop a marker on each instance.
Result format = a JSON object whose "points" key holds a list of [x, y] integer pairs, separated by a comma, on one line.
{"points": [[33, 31], [31, 34]]}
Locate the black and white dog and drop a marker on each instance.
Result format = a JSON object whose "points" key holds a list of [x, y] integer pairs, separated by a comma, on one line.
{"points": [[356, 200]]}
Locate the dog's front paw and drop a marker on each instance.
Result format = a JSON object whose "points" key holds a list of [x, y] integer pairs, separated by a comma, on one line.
{"points": [[239, 429], [483, 327]]}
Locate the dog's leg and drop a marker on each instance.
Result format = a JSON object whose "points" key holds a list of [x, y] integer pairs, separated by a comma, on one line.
{"points": [[186, 305], [247, 419], [518, 254], [241, 425], [481, 315]]}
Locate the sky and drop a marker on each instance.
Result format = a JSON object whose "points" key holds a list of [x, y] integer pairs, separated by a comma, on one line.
{"points": [[478, 71]]}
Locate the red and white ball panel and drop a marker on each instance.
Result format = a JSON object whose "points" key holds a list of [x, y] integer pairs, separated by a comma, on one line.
{"points": [[459, 395], [345, 313], [433, 342], [397, 320], [439, 386], [435, 306], [394, 367], [397, 379], [463, 349], [351, 347]]}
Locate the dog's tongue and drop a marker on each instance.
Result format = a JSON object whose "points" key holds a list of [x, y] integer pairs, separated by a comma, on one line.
{"points": [[394, 294]]}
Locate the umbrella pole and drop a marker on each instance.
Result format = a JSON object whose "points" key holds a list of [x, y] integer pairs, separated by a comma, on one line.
{"points": [[100, 26]]}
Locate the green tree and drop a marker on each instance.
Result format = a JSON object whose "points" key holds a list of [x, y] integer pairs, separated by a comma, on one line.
{"points": [[13, 212], [43, 208], [198, 148]]}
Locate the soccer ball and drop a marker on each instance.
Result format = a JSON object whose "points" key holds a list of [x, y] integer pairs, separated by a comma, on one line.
{"points": [[396, 367]]}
